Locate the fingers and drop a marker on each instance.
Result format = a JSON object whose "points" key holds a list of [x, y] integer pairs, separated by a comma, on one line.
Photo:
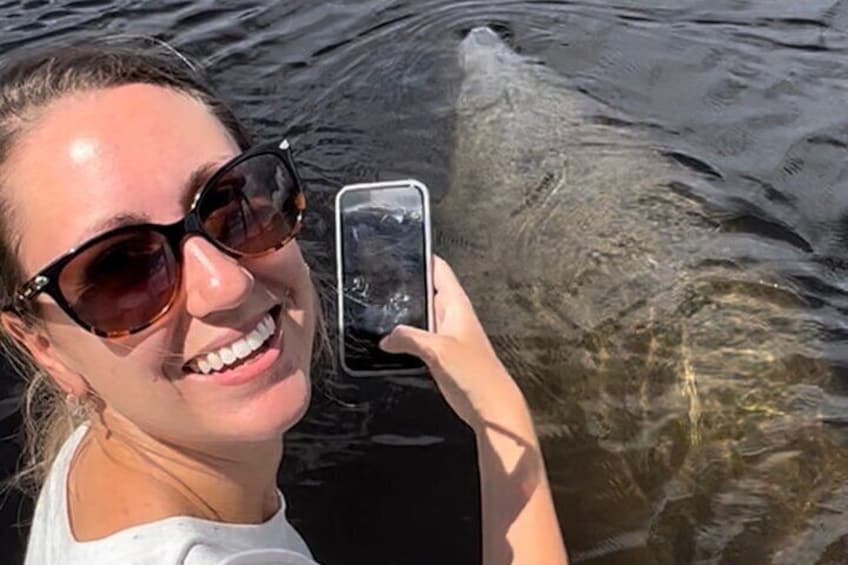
{"points": [[444, 278], [448, 288], [440, 310], [412, 341]]}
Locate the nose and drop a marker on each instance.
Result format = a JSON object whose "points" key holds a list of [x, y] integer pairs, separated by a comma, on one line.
{"points": [[483, 35], [213, 280]]}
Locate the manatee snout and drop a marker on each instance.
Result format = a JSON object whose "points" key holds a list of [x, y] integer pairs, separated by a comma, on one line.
{"points": [[482, 35], [481, 49], [486, 64]]}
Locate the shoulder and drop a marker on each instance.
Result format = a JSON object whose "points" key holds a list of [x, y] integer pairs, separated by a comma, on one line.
{"points": [[208, 555], [179, 541], [98, 508], [134, 522]]}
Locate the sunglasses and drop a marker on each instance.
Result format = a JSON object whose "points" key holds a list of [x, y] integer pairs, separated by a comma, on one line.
{"points": [[125, 279]]}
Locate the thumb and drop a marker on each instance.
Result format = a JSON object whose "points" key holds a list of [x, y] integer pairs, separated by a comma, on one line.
{"points": [[412, 341]]}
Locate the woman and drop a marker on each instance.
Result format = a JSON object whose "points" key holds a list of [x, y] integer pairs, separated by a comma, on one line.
{"points": [[179, 327]]}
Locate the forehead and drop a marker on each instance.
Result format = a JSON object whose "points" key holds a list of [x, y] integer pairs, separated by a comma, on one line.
{"points": [[91, 156]]}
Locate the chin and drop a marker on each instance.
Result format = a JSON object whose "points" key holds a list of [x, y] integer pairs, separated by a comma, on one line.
{"points": [[274, 410]]}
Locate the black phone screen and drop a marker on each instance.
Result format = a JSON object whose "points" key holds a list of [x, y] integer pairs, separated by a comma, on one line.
{"points": [[384, 276]]}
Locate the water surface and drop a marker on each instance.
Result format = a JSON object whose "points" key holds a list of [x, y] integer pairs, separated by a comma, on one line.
{"points": [[752, 91]]}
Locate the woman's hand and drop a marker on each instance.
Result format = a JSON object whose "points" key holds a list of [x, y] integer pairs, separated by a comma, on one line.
{"points": [[459, 355], [518, 516]]}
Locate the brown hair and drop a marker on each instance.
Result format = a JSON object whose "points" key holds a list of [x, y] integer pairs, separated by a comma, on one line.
{"points": [[30, 79]]}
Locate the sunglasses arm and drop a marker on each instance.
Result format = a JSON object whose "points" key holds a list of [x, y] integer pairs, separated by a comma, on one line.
{"points": [[26, 293]]}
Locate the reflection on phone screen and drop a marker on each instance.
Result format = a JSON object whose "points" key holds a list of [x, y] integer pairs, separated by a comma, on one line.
{"points": [[384, 275]]}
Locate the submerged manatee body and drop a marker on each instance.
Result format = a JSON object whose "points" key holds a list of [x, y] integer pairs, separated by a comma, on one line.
{"points": [[674, 386]]}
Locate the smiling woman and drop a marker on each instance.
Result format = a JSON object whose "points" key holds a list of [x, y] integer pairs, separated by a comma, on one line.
{"points": [[157, 300], [209, 337]]}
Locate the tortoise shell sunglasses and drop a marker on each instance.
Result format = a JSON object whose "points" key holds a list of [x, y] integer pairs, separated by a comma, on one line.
{"points": [[122, 281]]}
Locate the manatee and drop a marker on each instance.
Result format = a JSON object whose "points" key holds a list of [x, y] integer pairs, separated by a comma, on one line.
{"points": [[676, 382]]}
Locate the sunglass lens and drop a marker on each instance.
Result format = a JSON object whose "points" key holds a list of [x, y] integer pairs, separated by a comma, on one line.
{"points": [[123, 282], [253, 206]]}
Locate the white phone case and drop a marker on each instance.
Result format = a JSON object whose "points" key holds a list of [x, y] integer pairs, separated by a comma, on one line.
{"points": [[428, 253]]}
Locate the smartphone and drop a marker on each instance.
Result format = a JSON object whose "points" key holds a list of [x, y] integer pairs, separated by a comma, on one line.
{"points": [[384, 272]]}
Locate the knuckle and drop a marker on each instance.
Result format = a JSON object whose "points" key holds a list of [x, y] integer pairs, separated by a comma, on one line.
{"points": [[437, 351]]}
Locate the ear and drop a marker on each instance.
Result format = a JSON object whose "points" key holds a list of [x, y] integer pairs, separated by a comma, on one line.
{"points": [[39, 346]]}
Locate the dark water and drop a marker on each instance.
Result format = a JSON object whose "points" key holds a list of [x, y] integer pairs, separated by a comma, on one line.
{"points": [[381, 472]]}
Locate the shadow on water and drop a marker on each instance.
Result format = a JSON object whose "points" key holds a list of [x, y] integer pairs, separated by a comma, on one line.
{"points": [[748, 95]]}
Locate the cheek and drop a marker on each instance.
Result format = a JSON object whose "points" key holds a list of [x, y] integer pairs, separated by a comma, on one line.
{"points": [[88, 356], [284, 271], [128, 378]]}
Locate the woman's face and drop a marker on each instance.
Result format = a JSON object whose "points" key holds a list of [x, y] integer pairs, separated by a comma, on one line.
{"points": [[92, 157]]}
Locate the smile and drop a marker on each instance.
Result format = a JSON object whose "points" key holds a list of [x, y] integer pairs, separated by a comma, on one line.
{"points": [[238, 352]]}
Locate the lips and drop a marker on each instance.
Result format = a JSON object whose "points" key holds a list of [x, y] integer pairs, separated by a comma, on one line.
{"points": [[238, 352]]}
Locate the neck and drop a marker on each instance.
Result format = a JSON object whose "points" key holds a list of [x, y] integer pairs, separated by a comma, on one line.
{"points": [[232, 482]]}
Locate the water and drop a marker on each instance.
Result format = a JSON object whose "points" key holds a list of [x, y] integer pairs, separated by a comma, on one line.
{"points": [[751, 91]]}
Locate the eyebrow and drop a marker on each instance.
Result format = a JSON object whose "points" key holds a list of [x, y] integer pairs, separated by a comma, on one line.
{"points": [[196, 180]]}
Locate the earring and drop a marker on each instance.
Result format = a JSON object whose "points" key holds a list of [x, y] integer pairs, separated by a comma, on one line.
{"points": [[78, 406], [72, 401]]}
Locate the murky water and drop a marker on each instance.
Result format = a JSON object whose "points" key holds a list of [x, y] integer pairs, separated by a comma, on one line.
{"points": [[750, 93]]}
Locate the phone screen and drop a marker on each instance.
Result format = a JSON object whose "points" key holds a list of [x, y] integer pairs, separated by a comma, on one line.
{"points": [[384, 273]]}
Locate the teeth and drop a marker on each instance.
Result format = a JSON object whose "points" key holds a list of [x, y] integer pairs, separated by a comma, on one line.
{"points": [[242, 349], [217, 360], [255, 339], [227, 355]]}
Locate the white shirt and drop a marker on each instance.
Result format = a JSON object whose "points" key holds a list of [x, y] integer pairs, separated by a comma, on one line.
{"points": [[171, 541]]}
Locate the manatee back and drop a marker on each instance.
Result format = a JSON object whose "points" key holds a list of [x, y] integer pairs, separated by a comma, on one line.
{"points": [[645, 349], [549, 206]]}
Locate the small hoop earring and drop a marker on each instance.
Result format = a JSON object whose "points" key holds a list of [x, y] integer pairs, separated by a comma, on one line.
{"points": [[78, 406]]}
